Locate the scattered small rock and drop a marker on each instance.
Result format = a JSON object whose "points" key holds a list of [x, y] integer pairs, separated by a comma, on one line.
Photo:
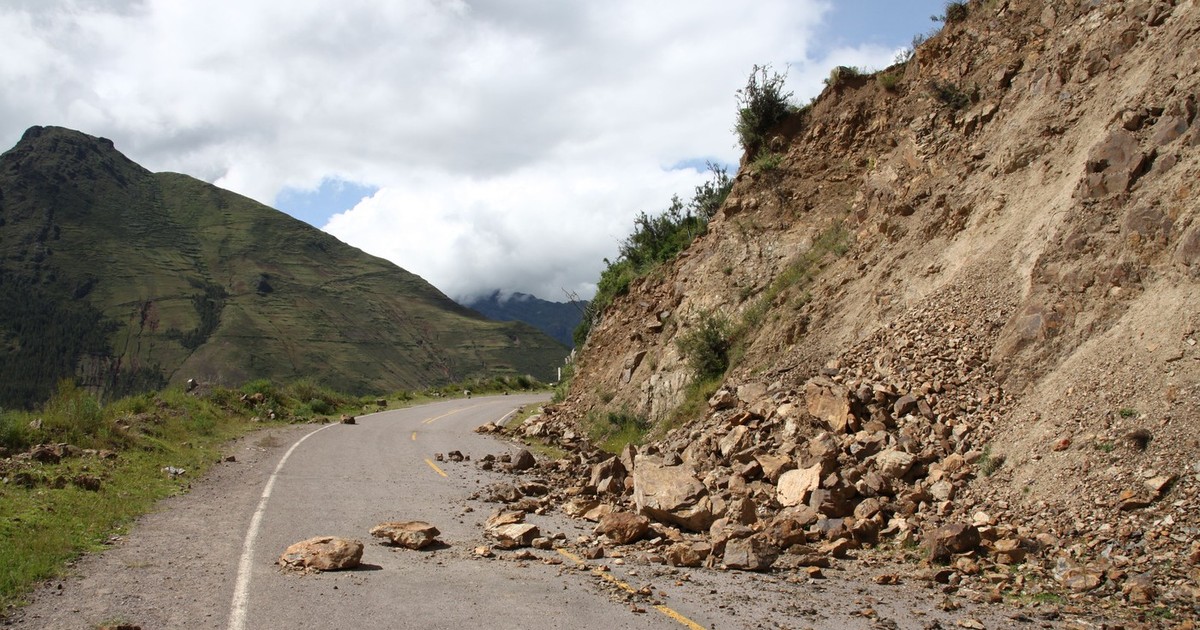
{"points": [[407, 534]]}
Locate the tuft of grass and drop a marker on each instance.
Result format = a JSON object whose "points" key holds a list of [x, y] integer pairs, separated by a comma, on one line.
{"points": [[949, 94], [766, 161], [888, 80], [1128, 412], [1161, 612], [840, 75], [989, 463], [546, 449], [613, 430], [1049, 598], [1105, 447], [694, 405]]}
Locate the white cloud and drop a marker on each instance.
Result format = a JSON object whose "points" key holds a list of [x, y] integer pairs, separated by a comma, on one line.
{"points": [[512, 142], [548, 227]]}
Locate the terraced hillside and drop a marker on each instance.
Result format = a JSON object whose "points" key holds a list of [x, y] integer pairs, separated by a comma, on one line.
{"points": [[127, 279]]}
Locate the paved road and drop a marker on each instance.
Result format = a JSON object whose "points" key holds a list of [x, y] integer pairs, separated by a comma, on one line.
{"points": [[188, 565], [344, 479]]}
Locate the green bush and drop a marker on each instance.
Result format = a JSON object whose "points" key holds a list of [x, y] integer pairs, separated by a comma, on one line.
{"points": [[658, 238], [888, 80], [949, 94], [261, 386], [612, 430], [841, 74], [762, 104], [706, 346], [655, 240], [14, 433], [766, 162], [709, 196], [955, 12], [72, 415]]}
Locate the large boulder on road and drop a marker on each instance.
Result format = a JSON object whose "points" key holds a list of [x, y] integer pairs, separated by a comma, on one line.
{"points": [[623, 527], [322, 553]]}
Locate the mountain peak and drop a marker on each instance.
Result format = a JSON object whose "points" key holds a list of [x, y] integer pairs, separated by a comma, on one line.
{"points": [[71, 154], [125, 280]]}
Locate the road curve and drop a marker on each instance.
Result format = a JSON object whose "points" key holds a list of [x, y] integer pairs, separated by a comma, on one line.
{"points": [[207, 559], [342, 480]]}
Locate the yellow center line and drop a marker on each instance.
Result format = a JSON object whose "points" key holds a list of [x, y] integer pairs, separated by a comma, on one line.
{"points": [[450, 413], [662, 608], [434, 467]]}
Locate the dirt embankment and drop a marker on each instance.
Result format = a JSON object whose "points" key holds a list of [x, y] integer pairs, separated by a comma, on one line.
{"points": [[1006, 251]]}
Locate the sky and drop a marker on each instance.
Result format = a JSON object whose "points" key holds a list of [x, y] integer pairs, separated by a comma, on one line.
{"points": [[481, 144]]}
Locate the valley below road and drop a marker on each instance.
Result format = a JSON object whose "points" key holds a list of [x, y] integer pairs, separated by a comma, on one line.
{"points": [[206, 559]]}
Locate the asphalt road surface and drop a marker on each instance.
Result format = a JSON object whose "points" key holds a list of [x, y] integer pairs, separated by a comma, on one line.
{"points": [[207, 559], [344, 479]]}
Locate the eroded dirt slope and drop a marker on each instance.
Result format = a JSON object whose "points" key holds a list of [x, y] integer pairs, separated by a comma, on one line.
{"points": [[1003, 257]]}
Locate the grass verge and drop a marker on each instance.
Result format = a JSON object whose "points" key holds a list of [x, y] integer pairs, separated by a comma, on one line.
{"points": [[106, 464]]}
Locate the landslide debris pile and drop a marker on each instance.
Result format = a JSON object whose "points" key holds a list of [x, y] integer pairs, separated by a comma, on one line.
{"points": [[965, 324]]}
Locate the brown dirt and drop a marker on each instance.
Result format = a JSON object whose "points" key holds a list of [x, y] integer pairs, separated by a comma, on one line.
{"points": [[1037, 250]]}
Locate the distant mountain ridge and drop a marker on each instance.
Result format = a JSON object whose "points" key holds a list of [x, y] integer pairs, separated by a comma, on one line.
{"points": [[557, 319], [125, 280]]}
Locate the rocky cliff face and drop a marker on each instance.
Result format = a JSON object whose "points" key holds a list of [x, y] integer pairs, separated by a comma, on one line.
{"points": [[989, 272]]}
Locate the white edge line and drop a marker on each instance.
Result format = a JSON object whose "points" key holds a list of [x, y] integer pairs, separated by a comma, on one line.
{"points": [[504, 418], [237, 610]]}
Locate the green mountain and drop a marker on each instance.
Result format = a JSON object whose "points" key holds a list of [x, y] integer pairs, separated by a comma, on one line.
{"points": [[557, 319], [127, 280]]}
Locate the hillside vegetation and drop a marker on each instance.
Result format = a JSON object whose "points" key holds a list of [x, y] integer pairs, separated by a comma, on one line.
{"points": [[127, 280]]}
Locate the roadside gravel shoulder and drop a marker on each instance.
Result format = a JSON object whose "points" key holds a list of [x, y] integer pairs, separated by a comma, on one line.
{"points": [[174, 567]]}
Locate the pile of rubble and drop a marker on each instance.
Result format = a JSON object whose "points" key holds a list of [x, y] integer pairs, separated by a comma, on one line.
{"points": [[26, 469], [800, 479]]}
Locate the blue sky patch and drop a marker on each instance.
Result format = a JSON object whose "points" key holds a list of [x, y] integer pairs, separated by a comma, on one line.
{"points": [[314, 207], [881, 22], [701, 165]]}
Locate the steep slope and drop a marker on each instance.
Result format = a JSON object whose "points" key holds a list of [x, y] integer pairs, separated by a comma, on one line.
{"points": [[991, 255], [161, 278], [557, 319]]}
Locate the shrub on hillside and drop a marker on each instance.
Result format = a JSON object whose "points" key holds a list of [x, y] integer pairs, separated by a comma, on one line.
{"points": [[706, 346], [889, 80], [655, 240], [841, 74], [949, 94], [762, 104], [956, 12]]}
